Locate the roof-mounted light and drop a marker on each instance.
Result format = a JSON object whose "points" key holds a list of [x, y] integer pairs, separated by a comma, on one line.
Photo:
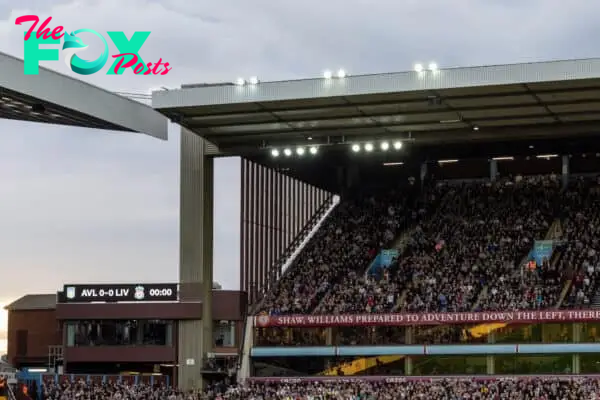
{"points": [[547, 156]]}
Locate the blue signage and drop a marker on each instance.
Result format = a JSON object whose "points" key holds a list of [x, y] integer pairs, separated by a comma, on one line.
{"points": [[542, 250], [383, 260]]}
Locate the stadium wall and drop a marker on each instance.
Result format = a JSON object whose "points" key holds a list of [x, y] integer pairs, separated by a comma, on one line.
{"points": [[30, 333]]}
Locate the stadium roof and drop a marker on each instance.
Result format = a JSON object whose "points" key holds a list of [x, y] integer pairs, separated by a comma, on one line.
{"points": [[431, 107], [33, 302], [50, 97]]}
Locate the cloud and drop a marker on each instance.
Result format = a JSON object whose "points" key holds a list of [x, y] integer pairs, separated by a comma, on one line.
{"points": [[84, 206]]}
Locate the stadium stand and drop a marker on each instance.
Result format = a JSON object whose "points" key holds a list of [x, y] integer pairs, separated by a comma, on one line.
{"points": [[367, 388], [464, 253], [580, 253], [395, 388], [108, 390], [475, 239], [464, 248], [344, 246]]}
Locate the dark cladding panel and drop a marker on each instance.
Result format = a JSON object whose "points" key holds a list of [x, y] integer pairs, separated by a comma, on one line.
{"points": [[30, 334], [228, 305], [122, 354], [277, 212]]}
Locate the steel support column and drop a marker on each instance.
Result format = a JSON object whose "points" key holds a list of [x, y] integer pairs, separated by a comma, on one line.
{"points": [[195, 337], [493, 170]]}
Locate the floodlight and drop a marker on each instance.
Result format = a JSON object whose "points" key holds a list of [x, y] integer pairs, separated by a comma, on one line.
{"points": [[385, 146], [418, 67], [341, 73], [240, 82], [313, 150], [433, 66], [355, 148], [475, 128], [275, 153], [327, 74], [547, 156], [397, 145], [300, 151], [254, 80], [369, 147], [287, 152]]}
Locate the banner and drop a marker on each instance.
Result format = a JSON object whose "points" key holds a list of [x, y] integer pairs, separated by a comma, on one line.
{"points": [[383, 260], [426, 319], [404, 379], [542, 250], [387, 257]]}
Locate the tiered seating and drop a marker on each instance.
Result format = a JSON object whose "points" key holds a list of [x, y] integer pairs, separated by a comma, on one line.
{"points": [[514, 389], [478, 238], [580, 254], [79, 389], [344, 246]]}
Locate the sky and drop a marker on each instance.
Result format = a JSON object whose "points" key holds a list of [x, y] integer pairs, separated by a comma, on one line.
{"points": [[79, 205]]}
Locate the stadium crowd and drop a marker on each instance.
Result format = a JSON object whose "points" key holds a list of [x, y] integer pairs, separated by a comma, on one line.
{"points": [[517, 388], [580, 251], [347, 241], [514, 389], [464, 248], [82, 390]]}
